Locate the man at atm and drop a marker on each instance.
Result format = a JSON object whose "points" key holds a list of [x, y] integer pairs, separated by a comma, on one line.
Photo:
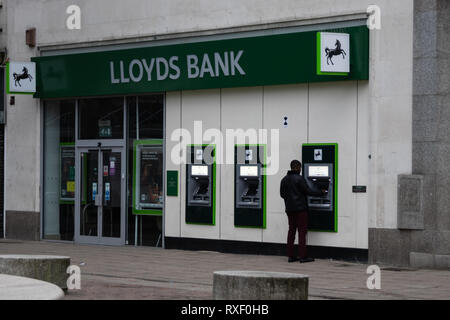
{"points": [[294, 189]]}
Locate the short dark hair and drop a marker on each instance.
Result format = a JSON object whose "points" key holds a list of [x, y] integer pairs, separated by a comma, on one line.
{"points": [[296, 165]]}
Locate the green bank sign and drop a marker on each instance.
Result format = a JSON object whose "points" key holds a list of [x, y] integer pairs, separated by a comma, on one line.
{"points": [[256, 61], [220, 64]]}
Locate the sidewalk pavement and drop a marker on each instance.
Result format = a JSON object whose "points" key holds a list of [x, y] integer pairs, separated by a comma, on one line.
{"points": [[129, 272]]}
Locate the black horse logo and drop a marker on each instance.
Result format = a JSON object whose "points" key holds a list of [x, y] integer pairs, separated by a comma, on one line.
{"points": [[336, 52], [22, 76]]}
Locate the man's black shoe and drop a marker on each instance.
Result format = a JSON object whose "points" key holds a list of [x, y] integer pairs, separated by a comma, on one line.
{"points": [[305, 260], [292, 259]]}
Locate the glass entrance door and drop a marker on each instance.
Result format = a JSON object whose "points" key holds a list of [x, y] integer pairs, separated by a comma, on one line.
{"points": [[100, 196]]}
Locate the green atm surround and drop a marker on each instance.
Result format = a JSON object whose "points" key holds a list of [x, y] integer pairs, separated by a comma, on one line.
{"points": [[318, 220], [201, 215], [251, 217]]}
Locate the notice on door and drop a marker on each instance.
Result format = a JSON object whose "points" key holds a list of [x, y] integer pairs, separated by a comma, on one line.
{"points": [[112, 166], [67, 165]]}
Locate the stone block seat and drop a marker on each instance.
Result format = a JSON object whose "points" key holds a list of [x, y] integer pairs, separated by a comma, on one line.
{"points": [[51, 269], [259, 285], [21, 288]]}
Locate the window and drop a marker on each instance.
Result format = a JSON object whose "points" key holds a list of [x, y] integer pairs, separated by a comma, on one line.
{"points": [[101, 118], [59, 169], [145, 165]]}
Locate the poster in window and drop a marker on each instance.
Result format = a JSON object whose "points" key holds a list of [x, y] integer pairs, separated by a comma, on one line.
{"points": [[67, 187], [148, 180]]}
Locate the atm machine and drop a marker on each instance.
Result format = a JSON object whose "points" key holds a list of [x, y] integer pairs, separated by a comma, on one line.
{"points": [[248, 186], [320, 172], [249, 209], [199, 186], [200, 181]]}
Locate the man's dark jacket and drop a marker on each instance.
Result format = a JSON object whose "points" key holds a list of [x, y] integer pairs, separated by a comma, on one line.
{"points": [[294, 189]]}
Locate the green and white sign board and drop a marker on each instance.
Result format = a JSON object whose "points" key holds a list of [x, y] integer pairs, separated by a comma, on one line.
{"points": [[239, 62], [333, 53], [172, 183], [21, 77]]}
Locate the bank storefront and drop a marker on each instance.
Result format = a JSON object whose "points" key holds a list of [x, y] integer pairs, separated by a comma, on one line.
{"points": [[109, 116], [96, 151]]}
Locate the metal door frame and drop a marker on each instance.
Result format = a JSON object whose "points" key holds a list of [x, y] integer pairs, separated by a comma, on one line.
{"points": [[99, 239], [119, 145]]}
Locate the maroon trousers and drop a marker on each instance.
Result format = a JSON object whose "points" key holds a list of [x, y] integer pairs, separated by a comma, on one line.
{"points": [[297, 222]]}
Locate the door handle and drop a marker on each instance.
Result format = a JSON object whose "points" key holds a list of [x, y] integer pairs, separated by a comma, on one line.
{"points": [[98, 200]]}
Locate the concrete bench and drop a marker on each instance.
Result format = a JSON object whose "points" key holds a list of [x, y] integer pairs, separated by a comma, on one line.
{"points": [[259, 285], [21, 288], [46, 268]]}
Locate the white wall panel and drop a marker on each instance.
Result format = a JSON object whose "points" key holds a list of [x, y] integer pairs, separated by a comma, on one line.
{"points": [[202, 106], [363, 167], [279, 102], [333, 119], [172, 213], [241, 109]]}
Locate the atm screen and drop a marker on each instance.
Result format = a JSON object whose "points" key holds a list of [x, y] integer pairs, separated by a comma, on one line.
{"points": [[248, 171], [318, 171], [199, 170]]}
